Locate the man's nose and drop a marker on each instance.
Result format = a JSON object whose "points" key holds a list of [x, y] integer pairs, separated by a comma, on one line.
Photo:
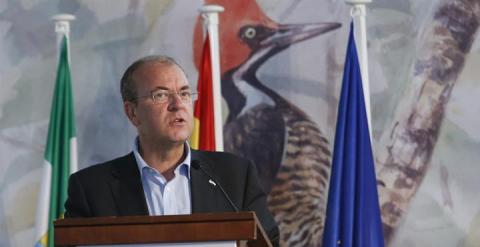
{"points": [[174, 102]]}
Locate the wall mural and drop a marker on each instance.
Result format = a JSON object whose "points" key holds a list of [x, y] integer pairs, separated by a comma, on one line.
{"points": [[282, 64]]}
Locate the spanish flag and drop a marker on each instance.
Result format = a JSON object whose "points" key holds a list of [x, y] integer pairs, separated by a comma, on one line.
{"points": [[203, 136]]}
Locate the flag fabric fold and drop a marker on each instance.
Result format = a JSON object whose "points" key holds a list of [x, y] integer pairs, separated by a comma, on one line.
{"points": [[60, 158], [353, 214], [203, 136]]}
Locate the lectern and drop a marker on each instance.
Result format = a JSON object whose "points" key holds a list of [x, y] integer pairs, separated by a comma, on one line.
{"points": [[242, 228]]}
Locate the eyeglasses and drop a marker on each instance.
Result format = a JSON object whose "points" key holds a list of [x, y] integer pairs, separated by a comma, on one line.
{"points": [[159, 96]]}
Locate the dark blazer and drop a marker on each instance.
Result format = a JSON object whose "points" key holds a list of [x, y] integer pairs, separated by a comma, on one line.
{"points": [[114, 188]]}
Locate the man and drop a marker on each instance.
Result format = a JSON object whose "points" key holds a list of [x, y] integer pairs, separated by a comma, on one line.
{"points": [[162, 175]]}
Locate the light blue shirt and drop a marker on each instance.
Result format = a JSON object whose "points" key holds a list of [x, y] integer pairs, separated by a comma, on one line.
{"points": [[166, 198]]}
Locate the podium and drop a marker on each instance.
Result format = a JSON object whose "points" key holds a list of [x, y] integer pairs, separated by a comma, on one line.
{"points": [[242, 228]]}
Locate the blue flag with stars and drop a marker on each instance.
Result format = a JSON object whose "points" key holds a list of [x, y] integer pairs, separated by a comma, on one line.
{"points": [[353, 214]]}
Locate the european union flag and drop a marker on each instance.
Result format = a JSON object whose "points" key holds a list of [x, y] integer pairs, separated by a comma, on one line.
{"points": [[353, 214]]}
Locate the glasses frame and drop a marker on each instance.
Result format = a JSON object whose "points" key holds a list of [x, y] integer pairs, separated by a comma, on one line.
{"points": [[192, 97]]}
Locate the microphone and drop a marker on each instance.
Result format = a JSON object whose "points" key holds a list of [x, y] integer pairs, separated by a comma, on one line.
{"points": [[198, 165]]}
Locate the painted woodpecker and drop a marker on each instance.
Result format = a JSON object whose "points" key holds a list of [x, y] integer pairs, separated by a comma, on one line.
{"points": [[291, 153]]}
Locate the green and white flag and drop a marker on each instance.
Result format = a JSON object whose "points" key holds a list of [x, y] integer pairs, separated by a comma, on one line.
{"points": [[60, 153]]}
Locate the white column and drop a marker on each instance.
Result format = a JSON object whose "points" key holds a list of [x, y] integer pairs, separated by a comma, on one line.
{"points": [[210, 18], [358, 13], [62, 28]]}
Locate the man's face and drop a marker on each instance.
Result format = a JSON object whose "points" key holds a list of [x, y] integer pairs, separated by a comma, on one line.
{"points": [[166, 122]]}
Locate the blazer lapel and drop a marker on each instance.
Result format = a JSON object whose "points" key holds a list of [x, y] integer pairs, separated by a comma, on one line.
{"points": [[127, 188], [204, 193]]}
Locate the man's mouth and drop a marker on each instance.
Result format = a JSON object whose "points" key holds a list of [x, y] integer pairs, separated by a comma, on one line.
{"points": [[178, 120]]}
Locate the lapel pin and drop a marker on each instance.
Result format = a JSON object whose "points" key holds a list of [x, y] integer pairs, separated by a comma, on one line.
{"points": [[212, 183]]}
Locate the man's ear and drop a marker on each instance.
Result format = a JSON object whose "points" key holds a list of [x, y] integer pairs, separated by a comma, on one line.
{"points": [[131, 111]]}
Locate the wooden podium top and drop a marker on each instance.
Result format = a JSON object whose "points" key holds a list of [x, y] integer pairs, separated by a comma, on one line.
{"points": [[242, 226]]}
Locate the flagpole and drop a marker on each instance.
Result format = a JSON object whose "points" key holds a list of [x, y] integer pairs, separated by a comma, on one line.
{"points": [[210, 18], [358, 12], [62, 28]]}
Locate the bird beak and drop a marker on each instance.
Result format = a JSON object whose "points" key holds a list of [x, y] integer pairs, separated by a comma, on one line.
{"points": [[289, 34]]}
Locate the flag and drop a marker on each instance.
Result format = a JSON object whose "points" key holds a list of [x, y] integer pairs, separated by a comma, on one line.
{"points": [[203, 136], [353, 214], [60, 158]]}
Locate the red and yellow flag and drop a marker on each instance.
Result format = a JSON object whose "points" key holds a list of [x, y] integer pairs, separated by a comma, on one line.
{"points": [[203, 136]]}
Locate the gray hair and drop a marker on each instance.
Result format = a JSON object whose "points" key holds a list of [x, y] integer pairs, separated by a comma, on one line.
{"points": [[127, 84]]}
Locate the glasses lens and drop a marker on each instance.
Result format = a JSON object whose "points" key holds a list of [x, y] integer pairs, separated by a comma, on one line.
{"points": [[160, 96], [185, 95]]}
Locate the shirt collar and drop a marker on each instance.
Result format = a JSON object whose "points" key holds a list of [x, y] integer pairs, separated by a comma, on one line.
{"points": [[142, 164]]}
